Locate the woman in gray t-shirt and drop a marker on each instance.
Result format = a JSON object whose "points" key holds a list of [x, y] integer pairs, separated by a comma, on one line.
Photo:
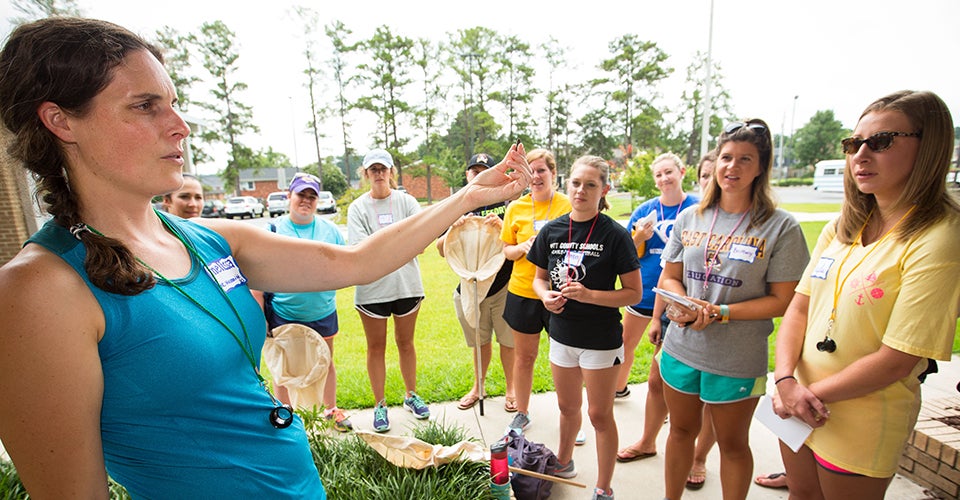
{"points": [[738, 258]]}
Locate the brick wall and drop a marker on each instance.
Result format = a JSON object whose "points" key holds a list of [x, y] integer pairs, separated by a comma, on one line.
{"points": [[14, 227], [261, 189], [417, 187], [931, 456]]}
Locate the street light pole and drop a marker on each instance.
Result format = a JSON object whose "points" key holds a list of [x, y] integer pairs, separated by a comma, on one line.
{"points": [[793, 115], [705, 124]]}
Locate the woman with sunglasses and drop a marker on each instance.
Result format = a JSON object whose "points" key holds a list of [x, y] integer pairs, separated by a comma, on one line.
{"points": [[877, 299], [737, 258], [130, 340]]}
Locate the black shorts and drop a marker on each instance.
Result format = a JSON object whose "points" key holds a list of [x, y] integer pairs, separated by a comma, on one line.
{"points": [[526, 315], [642, 312], [383, 310]]}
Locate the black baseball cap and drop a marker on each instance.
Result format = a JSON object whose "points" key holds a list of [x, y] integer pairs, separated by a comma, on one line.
{"points": [[481, 159]]}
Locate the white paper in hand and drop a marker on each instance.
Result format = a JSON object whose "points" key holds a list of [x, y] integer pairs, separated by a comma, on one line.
{"points": [[792, 431], [650, 218]]}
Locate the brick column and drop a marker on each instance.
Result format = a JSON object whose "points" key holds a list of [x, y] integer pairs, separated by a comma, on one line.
{"points": [[16, 224], [931, 456]]}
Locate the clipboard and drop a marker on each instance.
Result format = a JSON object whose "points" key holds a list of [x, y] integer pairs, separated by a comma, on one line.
{"points": [[677, 299]]}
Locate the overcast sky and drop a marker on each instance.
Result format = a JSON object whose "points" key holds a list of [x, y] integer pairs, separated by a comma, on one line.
{"points": [[831, 54]]}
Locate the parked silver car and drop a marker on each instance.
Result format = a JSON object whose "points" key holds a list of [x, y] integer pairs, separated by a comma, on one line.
{"points": [[243, 206]]}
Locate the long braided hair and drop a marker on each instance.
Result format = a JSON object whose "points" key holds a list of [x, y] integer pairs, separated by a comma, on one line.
{"points": [[67, 61]]}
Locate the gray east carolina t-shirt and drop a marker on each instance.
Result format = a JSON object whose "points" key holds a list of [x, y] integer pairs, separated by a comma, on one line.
{"points": [[749, 260]]}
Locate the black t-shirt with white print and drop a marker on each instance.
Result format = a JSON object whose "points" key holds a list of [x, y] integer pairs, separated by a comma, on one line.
{"points": [[594, 257]]}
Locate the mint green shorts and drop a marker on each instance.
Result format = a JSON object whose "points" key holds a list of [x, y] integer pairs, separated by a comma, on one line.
{"points": [[710, 387]]}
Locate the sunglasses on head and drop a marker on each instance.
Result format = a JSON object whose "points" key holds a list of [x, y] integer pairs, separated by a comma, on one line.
{"points": [[312, 177], [733, 127], [881, 141]]}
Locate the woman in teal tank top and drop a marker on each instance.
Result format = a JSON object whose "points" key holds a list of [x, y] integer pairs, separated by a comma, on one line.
{"points": [[131, 341]]}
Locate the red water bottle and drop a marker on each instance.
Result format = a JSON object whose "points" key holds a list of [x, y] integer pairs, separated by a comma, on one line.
{"points": [[499, 465]]}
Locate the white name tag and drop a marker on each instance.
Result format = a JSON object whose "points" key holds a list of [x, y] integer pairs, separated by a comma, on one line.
{"points": [[743, 253], [538, 225], [573, 258], [385, 219], [227, 274], [823, 267]]}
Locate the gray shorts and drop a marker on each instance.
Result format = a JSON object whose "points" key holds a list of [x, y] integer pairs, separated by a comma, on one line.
{"points": [[491, 320]]}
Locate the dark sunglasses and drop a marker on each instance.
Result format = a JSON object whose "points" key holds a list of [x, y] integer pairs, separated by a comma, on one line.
{"points": [[733, 127], [881, 141]]}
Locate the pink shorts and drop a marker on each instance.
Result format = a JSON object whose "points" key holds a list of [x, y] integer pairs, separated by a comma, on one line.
{"points": [[832, 468]]}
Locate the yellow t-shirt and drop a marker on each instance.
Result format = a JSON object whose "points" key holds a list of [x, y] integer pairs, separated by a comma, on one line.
{"points": [[904, 295], [518, 226]]}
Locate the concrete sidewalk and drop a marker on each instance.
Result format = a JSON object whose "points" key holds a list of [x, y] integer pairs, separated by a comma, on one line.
{"points": [[641, 479]]}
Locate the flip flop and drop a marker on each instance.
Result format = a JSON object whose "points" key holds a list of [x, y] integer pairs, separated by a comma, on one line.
{"points": [[696, 479], [468, 401], [629, 455], [772, 477], [510, 404]]}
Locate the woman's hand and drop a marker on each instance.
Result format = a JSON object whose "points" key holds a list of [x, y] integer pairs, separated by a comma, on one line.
{"points": [[526, 245], [575, 290], [794, 400], [553, 301], [655, 331], [505, 181], [681, 315], [706, 314], [493, 220], [643, 233]]}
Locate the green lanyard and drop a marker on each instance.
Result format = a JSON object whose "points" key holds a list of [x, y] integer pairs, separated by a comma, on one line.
{"points": [[281, 416], [247, 347]]}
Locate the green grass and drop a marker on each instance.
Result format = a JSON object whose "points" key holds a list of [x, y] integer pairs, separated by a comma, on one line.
{"points": [[352, 470], [620, 206], [445, 367]]}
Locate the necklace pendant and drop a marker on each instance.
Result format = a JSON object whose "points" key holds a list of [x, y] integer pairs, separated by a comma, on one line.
{"points": [[281, 416]]}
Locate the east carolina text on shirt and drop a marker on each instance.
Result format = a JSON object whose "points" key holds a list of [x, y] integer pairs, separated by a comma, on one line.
{"points": [[695, 238]]}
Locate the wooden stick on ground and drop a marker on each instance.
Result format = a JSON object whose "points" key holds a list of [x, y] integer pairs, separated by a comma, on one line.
{"points": [[546, 477]]}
